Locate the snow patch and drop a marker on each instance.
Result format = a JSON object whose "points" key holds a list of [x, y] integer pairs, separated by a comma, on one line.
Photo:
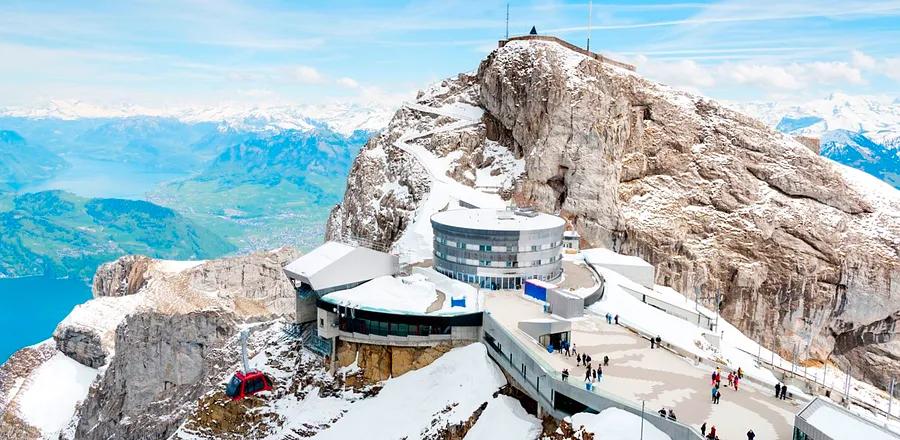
{"points": [[48, 400]]}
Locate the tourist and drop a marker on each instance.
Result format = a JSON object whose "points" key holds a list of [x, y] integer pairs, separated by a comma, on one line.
{"points": [[777, 390], [751, 435], [672, 415], [617, 319], [599, 372], [588, 359], [713, 381], [736, 383], [608, 318], [740, 372], [703, 429], [718, 396], [565, 375], [587, 374], [662, 412], [605, 360], [578, 361], [652, 343], [594, 374], [712, 393], [712, 433], [658, 341], [783, 391], [730, 378]]}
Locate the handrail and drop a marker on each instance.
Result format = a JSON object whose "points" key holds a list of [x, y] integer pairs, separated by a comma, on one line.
{"points": [[547, 382]]}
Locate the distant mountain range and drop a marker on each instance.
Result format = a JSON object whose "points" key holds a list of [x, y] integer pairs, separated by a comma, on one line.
{"points": [[253, 178], [859, 131]]}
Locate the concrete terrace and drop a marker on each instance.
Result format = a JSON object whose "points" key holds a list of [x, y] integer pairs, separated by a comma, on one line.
{"points": [[660, 377]]}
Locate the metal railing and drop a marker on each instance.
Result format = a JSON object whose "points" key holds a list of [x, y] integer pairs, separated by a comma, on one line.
{"points": [[537, 378]]}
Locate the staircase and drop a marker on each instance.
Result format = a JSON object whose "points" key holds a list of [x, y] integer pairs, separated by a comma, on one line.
{"points": [[308, 336]]}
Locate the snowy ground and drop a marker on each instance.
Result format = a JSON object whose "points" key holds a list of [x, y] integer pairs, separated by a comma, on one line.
{"points": [[48, 397], [616, 424]]}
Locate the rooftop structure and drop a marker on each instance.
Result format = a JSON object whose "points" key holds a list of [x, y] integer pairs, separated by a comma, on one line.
{"points": [[633, 268], [823, 420], [497, 249], [338, 265]]}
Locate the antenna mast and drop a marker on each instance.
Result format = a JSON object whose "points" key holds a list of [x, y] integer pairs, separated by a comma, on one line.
{"points": [[590, 17], [507, 20]]}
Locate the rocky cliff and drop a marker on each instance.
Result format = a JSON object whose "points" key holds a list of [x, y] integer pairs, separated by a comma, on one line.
{"points": [[805, 251]]}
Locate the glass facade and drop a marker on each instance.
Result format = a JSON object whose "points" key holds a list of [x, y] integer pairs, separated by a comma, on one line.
{"points": [[497, 259], [384, 328]]}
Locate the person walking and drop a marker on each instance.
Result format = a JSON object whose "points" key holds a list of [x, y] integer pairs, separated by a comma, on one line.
{"points": [[608, 318], [658, 341], [751, 435], [740, 372], [713, 394], [599, 372], [617, 319], [730, 378], [587, 374], [672, 415], [703, 429], [712, 433], [777, 390], [652, 343], [605, 360], [594, 374], [565, 374], [574, 351], [783, 391], [588, 358], [736, 379], [718, 396]]}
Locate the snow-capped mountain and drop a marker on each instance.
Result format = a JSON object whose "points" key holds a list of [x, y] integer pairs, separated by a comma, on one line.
{"points": [[341, 117], [877, 117], [860, 131]]}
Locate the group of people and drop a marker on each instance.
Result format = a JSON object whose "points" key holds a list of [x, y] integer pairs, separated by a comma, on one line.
{"points": [[669, 415], [780, 391], [711, 435], [610, 319], [654, 342], [734, 378]]}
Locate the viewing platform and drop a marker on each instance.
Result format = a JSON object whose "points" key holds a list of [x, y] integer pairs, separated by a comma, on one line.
{"points": [[567, 45]]}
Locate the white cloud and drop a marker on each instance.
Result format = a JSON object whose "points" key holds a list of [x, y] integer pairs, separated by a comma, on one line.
{"points": [[349, 83], [305, 75], [828, 73], [763, 76], [862, 61], [687, 74]]}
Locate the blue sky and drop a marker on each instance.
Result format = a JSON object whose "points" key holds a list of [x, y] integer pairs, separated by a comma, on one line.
{"points": [[206, 52]]}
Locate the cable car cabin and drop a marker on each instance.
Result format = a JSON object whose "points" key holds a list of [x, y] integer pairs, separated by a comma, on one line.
{"points": [[247, 384]]}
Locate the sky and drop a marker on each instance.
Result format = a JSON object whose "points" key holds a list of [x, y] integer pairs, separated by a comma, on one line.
{"points": [[206, 52]]}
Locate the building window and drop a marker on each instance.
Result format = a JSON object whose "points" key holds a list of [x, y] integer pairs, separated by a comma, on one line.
{"points": [[484, 248], [534, 247]]}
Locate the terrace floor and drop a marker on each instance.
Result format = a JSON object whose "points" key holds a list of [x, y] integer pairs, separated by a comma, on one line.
{"points": [[661, 378]]}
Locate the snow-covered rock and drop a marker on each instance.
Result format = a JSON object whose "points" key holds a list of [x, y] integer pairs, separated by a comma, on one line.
{"points": [[803, 252]]}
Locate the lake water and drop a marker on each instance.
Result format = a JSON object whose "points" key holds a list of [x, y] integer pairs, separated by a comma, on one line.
{"points": [[32, 308], [97, 178]]}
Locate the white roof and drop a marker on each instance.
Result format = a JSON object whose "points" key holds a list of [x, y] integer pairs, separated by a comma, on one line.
{"points": [[496, 220], [319, 258], [571, 234], [412, 294], [336, 264], [606, 256], [540, 283], [837, 423]]}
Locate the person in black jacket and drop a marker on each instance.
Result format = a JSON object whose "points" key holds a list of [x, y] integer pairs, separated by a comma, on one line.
{"points": [[777, 390], [751, 435]]}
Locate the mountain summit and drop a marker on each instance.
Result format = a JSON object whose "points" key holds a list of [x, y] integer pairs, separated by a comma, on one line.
{"points": [[804, 250]]}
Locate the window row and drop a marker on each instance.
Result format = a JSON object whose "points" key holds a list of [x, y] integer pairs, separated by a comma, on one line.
{"points": [[489, 263], [495, 248], [382, 328]]}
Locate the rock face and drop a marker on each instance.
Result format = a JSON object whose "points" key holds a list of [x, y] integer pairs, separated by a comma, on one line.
{"points": [[381, 362], [124, 276], [157, 369], [251, 286], [806, 252]]}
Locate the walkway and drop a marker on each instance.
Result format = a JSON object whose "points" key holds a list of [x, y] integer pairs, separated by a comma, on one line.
{"points": [[659, 377]]}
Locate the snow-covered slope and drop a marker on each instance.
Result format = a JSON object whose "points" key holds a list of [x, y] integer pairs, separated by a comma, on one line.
{"points": [[344, 118]]}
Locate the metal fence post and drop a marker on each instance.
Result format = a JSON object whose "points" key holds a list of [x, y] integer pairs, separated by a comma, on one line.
{"points": [[642, 419]]}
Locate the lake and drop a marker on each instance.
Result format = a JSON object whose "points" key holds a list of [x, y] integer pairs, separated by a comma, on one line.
{"points": [[32, 308], [98, 178]]}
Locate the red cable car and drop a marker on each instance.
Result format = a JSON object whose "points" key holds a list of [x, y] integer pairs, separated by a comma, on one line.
{"points": [[247, 382]]}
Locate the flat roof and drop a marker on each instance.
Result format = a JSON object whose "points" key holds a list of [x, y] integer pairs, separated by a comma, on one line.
{"points": [[838, 423], [497, 220], [319, 258]]}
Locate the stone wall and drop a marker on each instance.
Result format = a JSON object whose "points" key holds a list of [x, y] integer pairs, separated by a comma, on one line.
{"points": [[382, 362]]}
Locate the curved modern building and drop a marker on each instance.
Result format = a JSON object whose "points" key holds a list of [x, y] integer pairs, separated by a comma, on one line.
{"points": [[497, 249]]}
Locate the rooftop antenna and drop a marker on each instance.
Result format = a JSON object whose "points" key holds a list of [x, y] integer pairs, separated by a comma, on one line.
{"points": [[590, 17], [507, 20]]}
